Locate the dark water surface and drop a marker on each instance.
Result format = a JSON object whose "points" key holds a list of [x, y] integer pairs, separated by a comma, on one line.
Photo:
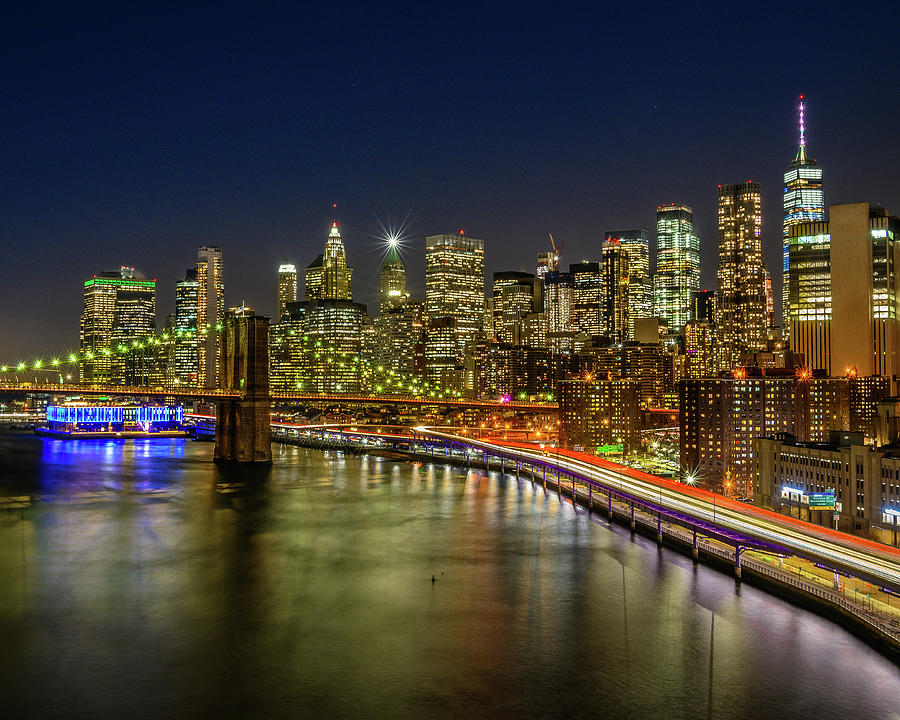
{"points": [[139, 580]]}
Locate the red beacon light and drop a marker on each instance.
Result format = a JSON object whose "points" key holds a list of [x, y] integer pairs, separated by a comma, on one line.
{"points": [[462, 232]]}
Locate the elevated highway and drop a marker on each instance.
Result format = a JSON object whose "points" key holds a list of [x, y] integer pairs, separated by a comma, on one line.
{"points": [[747, 525]]}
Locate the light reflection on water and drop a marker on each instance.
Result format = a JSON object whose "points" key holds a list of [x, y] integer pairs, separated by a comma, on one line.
{"points": [[139, 576]]}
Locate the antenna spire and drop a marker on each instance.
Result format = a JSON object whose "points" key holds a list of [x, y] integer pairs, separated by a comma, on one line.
{"points": [[800, 158]]}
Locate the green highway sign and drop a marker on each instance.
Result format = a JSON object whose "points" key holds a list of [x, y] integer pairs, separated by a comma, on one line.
{"points": [[821, 501], [607, 449]]}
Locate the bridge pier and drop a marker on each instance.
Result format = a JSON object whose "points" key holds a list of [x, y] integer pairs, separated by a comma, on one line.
{"points": [[243, 430]]}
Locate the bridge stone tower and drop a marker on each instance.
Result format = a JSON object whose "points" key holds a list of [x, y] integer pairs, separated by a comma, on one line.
{"points": [[243, 432]]}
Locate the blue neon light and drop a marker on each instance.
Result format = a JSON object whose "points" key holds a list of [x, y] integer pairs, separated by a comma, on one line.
{"points": [[105, 415]]}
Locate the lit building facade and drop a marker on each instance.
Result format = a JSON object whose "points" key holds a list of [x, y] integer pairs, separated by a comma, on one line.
{"points": [[699, 350], [333, 329], [286, 290], [454, 305], [636, 244], [843, 293], [119, 309], [741, 300], [599, 416], [616, 281], [515, 296], [804, 203], [559, 290], [186, 370], [328, 277], [392, 290], [865, 482], [587, 314], [210, 313], [677, 275], [720, 417]]}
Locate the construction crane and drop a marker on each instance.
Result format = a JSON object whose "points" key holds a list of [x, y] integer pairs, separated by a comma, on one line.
{"points": [[556, 253]]}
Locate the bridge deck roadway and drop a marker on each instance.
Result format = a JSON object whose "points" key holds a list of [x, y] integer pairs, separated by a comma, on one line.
{"points": [[857, 557], [182, 391]]}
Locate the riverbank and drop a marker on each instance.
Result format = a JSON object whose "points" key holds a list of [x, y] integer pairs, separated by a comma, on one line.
{"points": [[880, 632]]}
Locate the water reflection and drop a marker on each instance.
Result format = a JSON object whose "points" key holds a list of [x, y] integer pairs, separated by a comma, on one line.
{"points": [[143, 575]]}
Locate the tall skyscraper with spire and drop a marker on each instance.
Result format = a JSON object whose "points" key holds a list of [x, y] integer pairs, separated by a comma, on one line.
{"points": [[328, 277], [804, 202], [393, 280]]}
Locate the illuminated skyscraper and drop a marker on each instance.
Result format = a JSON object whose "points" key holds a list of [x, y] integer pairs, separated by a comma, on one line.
{"points": [[328, 277], [393, 280], [559, 289], [454, 291], [187, 360], [845, 315], [636, 244], [804, 202], [677, 265], [210, 312], [616, 282], [514, 297], [119, 309], [286, 291], [741, 309], [588, 313]]}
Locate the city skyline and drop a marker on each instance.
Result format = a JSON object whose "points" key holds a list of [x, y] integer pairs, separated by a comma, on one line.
{"points": [[179, 144]]}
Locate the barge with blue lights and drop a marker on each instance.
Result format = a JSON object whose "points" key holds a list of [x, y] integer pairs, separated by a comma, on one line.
{"points": [[92, 422]]}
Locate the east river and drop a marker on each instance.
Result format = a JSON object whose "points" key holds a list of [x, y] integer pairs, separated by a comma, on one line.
{"points": [[137, 579]]}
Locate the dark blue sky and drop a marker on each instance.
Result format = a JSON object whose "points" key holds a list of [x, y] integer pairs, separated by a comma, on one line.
{"points": [[133, 137]]}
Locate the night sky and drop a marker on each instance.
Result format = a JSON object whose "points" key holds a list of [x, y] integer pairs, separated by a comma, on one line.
{"points": [[130, 138]]}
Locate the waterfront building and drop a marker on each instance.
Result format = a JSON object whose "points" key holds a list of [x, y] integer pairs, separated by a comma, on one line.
{"points": [[804, 203], [636, 244], [587, 314], [210, 313], [720, 417], [119, 309], [844, 305], [186, 360], [599, 416], [741, 301], [393, 293], [286, 290], [802, 479], [677, 275], [616, 282], [328, 277]]}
